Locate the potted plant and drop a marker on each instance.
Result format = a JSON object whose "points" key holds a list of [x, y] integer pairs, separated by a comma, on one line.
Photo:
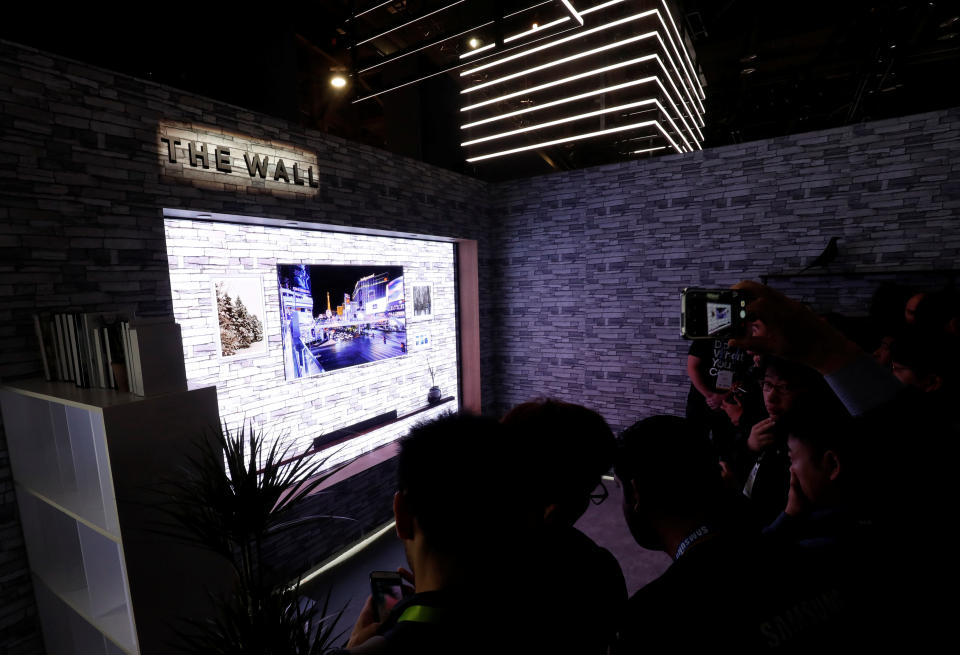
{"points": [[433, 395], [231, 496]]}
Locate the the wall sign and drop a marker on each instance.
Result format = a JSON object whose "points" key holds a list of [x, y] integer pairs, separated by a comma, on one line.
{"points": [[207, 156]]}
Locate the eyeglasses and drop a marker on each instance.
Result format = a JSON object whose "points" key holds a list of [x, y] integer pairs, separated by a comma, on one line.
{"points": [[779, 388], [598, 497]]}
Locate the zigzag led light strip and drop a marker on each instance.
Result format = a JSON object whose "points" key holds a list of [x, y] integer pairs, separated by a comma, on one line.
{"points": [[573, 12], [572, 78], [691, 100], [429, 45], [552, 44], [703, 94], [477, 51], [561, 101], [685, 71], [579, 137], [560, 121], [558, 62], [411, 22], [608, 46], [545, 26], [586, 53], [597, 72], [638, 152], [569, 119]]}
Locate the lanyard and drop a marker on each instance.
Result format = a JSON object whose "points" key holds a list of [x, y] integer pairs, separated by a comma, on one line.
{"points": [[421, 614], [752, 478]]}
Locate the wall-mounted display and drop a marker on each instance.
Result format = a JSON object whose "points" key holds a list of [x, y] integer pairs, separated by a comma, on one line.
{"points": [[336, 316], [241, 316]]}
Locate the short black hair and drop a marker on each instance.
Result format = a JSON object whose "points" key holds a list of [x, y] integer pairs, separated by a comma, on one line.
{"points": [[570, 447], [792, 372], [926, 353], [458, 477], [672, 465]]}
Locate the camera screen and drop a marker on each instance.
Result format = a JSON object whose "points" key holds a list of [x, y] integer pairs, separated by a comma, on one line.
{"points": [[387, 593], [719, 317]]}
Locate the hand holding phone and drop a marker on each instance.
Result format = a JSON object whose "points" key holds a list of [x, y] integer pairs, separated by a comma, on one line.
{"points": [[712, 313], [386, 588]]}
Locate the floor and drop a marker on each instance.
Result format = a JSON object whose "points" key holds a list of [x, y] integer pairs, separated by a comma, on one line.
{"points": [[348, 583]]}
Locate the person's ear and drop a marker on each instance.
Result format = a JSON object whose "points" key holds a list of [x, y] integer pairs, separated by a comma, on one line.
{"points": [[402, 516], [831, 464]]}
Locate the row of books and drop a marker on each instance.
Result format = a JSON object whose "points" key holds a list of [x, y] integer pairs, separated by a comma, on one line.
{"points": [[91, 350]]}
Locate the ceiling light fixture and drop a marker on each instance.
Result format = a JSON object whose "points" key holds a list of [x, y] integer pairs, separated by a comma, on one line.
{"points": [[559, 121], [600, 7], [640, 152], [554, 103], [557, 62], [411, 22], [686, 54], [471, 53], [535, 28], [579, 137], [572, 78], [338, 81], [474, 42], [552, 44], [429, 44], [573, 12]]}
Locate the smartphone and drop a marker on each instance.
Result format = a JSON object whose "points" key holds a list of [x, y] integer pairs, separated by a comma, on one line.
{"points": [[712, 313], [386, 587]]}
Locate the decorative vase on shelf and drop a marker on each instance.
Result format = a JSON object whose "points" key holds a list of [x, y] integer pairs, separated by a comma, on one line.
{"points": [[433, 395]]}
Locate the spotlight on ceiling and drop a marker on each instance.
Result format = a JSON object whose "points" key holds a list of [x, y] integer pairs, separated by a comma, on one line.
{"points": [[534, 26], [338, 81], [474, 42], [748, 71]]}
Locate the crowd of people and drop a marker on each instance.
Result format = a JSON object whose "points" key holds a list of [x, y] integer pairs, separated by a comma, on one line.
{"points": [[804, 500]]}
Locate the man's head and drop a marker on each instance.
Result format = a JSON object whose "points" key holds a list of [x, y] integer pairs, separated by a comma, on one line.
{"points": [[668, 473], [823, 457], [922, 361], [787, 386], [455, 486], [569, 447]]}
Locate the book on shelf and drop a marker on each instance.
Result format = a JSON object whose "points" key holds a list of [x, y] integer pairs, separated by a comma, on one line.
{"points": [[107, 351], [44, 349]]}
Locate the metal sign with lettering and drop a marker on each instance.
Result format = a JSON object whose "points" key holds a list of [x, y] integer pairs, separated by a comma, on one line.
{"points": [[204, 156]]}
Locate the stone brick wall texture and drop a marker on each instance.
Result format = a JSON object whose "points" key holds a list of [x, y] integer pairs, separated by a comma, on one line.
{"points": [[579, 272], [603, 252], [254, 389], [84, 179]]}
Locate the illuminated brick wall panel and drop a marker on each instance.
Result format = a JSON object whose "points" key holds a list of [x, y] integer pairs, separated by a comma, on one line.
{"points": [[610, 247]]}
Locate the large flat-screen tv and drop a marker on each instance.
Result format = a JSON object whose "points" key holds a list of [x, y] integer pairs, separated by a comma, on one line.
{"points": [[335, 316]]}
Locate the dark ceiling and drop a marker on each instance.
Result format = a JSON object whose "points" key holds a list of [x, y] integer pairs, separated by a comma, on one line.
{"points": [[769, 68]]}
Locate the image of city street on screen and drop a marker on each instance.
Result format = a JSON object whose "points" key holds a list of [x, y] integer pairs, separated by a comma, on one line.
{"points": [[333, 317]]}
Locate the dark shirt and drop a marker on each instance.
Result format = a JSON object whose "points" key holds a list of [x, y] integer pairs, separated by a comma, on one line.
{"points": [[578, 592], [728, 592]]}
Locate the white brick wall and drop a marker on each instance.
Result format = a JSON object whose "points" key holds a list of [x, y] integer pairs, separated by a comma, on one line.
{"points": [[255, 389]]}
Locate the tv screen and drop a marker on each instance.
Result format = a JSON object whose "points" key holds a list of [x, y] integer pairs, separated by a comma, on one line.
{"points": [[333, 317]]}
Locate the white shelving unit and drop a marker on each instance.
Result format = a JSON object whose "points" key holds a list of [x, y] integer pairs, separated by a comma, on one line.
{"points": [[85, 465]]}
